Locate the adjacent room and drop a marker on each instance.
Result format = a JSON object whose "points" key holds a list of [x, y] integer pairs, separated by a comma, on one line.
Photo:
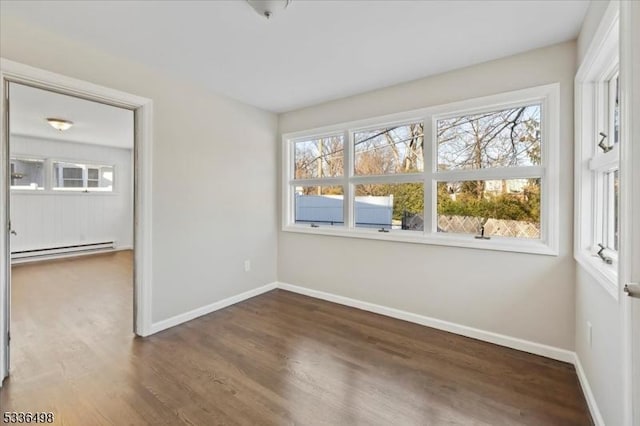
{"points": [[71, 196], [70, 175], [320, 212]]}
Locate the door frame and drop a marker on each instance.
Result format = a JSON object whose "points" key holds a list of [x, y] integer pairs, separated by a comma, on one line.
{"points": [[14, 72], [630, 205]]}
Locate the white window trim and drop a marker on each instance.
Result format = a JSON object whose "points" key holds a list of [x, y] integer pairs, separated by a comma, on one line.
{"points": [[599, 63], [85, 166], [49, 173], [548, 96], [27, 158]]}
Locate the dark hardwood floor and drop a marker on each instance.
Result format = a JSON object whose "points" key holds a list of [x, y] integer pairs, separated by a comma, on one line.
{"points": [[277, 359]]}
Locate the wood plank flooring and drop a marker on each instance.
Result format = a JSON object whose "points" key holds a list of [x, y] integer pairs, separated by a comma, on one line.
{"points": [[277, 359]]}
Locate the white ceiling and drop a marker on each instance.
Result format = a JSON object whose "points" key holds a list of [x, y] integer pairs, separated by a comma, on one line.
{"points": [[315, 50], [93, 123]]}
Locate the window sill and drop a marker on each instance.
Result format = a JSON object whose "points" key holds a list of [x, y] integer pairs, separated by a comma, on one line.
{"points": [[451, 240], [605, 275]]}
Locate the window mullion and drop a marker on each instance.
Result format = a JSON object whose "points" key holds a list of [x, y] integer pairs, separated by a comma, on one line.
{"points": [[348, 190], [47, 174], [610, 207], [429, 153], [332, 181], [595, 163], [289, 175], [497, 173], [396, 178]]}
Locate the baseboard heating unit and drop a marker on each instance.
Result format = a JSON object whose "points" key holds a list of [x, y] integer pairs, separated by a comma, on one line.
{"points": [[76, 249]]}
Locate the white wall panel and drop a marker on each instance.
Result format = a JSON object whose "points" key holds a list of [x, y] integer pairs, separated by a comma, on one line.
{"points": [[45, 219]]}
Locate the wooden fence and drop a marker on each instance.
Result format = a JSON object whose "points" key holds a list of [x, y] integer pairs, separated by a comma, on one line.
{"points": [[497, 227]]}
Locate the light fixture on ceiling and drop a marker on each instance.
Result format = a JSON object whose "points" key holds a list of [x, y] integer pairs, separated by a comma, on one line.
{"points": [[268, 8], [60, 124]]}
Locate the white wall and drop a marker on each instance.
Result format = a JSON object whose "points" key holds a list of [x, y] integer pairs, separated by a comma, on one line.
{"points": [[53, 218], [214, 168], [589, 25], [520, 295], [602, 360]]}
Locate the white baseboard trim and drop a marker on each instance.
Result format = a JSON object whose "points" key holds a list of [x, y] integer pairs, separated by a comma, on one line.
{"points": [[204, 310], [588, 393], [463, 330]]}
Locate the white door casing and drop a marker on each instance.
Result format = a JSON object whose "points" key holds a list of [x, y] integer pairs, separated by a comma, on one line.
{"points": [[143, 112], [630, 203]]}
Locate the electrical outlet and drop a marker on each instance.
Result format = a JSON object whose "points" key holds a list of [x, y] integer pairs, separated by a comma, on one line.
{"points": [[247, 265], [589, 333]]}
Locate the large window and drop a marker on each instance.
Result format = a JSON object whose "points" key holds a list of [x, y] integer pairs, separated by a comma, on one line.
{"points": [[480, 173], [598, 140]]}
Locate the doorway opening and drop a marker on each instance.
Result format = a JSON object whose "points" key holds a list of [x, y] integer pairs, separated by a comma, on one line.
{"points": [[71, 236], [67, 195]]}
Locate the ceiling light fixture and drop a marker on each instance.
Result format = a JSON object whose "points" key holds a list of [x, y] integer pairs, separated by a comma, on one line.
{"points": [[60, 124], [267, 8]]}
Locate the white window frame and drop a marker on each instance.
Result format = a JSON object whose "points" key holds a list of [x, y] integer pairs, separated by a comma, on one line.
{"points": [[85, 166], [49, 176], [21, 188], [351, 179], [547, 96], [592, 116], [321, 181]]}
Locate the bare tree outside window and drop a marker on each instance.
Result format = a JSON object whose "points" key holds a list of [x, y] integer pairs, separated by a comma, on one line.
{"points": [[479, 173], [319, 158], [505, 138], [397, 149]]}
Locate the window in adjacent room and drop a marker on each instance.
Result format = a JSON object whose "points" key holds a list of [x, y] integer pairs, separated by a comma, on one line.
{"points": [[26, 174], [76, 176]]}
